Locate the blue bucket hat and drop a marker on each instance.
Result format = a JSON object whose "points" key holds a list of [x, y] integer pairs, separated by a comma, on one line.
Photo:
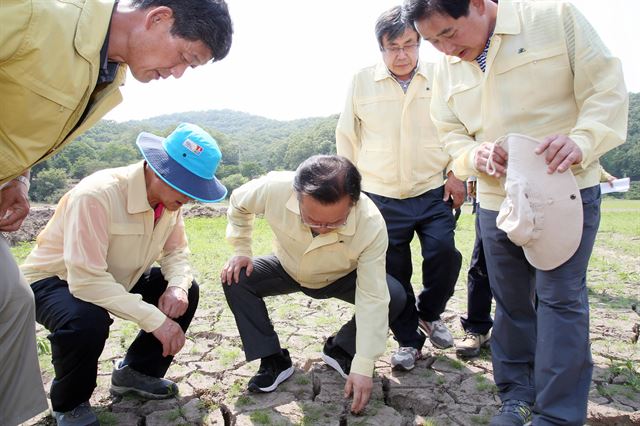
{"points": [[186, 160]]}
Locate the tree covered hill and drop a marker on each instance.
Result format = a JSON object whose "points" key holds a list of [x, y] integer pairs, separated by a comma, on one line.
{"points": [[251, 146]]}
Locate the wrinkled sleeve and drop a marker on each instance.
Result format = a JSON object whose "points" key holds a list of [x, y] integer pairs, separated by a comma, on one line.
{"points": [[86, 243], [455, 138], [348, 128], [599, 89], [245, 202], [372, 302], [174, 260]]}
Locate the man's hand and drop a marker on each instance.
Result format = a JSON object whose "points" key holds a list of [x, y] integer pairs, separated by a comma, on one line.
{"points": [[171, 336], [14, 206], [173, 302], [560, 153], [454, 188], [361, 387], [610, 180], [231, 270], [499, 159]]}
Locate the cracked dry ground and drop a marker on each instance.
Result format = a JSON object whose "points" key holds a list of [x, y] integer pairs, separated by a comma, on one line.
{"points": [[442, 389]]}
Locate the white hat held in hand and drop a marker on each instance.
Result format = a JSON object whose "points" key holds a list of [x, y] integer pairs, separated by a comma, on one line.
{"points": [[542, 212]]}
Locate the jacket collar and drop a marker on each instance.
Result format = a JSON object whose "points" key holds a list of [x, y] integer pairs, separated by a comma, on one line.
{"points": [[92, 29], [137, 201], [507, 22], [381, 72]]}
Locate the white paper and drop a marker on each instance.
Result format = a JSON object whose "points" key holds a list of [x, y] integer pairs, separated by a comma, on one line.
{"points": [[618, 185]]}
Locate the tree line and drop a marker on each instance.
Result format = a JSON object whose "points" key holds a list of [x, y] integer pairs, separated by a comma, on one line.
{"points": [[250, 146]]}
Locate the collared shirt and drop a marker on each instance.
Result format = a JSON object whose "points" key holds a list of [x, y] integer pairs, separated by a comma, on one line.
{"points": [[482, 58], [102, 238], [317, 262], [547, 73], [49, 65], [388, 135], [108, 69]]}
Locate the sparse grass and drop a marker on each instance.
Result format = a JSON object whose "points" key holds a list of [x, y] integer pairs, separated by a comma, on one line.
{"points": [[455, 363], [244, 400], [629, 372], [311, 414], [106, 418], [261, 417], [484, 385], [236, 389], [227, 354], [302, 380], [480, 419], [175, 414], [21, 251], [613, 279]]}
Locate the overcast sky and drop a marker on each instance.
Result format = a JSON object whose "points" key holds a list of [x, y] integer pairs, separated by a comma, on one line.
{"points": [[294, 58]]}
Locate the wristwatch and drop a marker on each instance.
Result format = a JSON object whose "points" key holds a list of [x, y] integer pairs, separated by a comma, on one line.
{"points": [[24, 180]]}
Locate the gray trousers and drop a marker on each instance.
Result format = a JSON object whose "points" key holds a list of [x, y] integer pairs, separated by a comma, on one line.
{"points": [[21, 391], [543, 356], [268, 278]]}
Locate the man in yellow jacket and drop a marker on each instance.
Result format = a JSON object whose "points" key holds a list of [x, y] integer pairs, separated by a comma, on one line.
{"points": [[61, 66], [536, 68], [386, 131], [95, 256], [330, 241]]}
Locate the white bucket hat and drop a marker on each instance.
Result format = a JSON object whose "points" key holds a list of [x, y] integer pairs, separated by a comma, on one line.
{"points": [[542, 212]]}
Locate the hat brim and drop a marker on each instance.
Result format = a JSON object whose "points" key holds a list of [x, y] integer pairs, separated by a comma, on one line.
{"points": [[175, 175], [560, 205]]}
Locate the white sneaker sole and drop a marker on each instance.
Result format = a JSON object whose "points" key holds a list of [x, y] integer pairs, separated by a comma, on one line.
{"points": [[281, 378], [333, 364]]}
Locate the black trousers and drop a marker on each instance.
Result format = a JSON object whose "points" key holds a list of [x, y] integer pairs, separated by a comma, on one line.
{"points": [[79, 330], [268, 278], [479, 294], [432, 220]]}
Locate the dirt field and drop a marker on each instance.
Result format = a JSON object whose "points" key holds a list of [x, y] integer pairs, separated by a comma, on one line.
{"points": [[442, 389]]}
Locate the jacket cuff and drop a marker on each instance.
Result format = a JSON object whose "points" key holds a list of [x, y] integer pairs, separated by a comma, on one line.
{"points": [[585, 146], [362, 366], [153, 321]]}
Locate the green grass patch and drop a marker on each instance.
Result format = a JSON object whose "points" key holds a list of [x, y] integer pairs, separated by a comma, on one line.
{"points": [[261, 417]]}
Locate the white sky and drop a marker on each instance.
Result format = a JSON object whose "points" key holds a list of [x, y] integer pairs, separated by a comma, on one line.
{"points": [[294, 58]]}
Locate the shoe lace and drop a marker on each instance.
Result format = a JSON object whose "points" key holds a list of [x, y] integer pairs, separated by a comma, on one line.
{"points": [[520, 408], [470, 336]]}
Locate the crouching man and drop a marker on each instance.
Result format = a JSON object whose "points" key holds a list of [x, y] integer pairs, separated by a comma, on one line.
{"points": [[94, 259], [331, 242]]}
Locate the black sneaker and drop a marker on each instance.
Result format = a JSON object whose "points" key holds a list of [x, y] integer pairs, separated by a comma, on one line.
{"points": [[274, 370], [336, 357], [125, 379]]}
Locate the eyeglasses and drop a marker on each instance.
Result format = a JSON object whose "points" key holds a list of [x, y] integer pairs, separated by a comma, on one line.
{"points": [[334, 225], [395, 50]]}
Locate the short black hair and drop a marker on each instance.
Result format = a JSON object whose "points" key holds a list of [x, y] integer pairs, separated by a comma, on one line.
{"points": [[198, 20], [392, 24], [327, 179], [416, 10]]}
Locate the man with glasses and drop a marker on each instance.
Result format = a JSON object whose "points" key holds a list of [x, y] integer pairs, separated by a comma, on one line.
{"points": [[386, 131], [330, 243]]}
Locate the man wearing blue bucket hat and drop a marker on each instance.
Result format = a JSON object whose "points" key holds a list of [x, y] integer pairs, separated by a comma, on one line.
{"points": [[95, 257]]}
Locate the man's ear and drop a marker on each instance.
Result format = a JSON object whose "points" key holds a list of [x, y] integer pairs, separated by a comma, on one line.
{"points": [[158, 15], [478, 5]]}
